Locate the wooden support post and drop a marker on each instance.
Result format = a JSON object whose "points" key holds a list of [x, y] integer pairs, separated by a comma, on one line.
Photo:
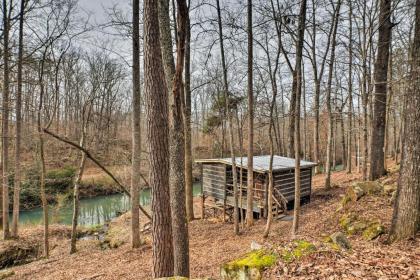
{"points": [[266, 181], [203, 198]]}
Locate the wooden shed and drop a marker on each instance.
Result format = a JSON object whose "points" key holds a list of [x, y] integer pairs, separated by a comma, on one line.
{"points": [[217, 182]]}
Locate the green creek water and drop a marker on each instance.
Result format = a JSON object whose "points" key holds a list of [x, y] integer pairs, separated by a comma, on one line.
{"points": [[93, 211]]}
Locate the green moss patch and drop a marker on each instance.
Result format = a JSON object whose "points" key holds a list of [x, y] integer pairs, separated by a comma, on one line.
{"points": [[346, 220], [373, 230], [259, 259], [299, 249], [248, 267], [356, 227]]}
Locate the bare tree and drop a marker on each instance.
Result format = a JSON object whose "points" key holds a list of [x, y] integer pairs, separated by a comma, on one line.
{"points": [[230, 122], [318, 71], [17, 178], [250, 152], [85, 120], [328, 98], [298, 70], [350, 88]]}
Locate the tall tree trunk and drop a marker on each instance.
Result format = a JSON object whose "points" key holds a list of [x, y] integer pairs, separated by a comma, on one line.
{"points": [[241, 148], [377, 157], [328, 98], [230, 122], [250, 153], [365, 95], [343, 141], [292, 117], [5, 121], [166, 42], [156, 96], [187, 126], [299, 48], [136, 131], [17, 179], [77, 184], [177, 152], [305, 125], [176, 130], [350, 87], [406, 217], [388, 108], [42, 155]]}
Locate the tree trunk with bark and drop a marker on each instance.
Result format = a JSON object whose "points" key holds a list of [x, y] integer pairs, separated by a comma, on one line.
{"points": [[42, 155], [17, 179], [250, 152], [187, 126], [77, 186], [177, 152], [156, 96], [5, 121], [406, 217], [377, 157], [136, 131], [350, 88]]}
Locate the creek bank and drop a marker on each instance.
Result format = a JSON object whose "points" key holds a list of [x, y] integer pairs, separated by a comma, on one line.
{"points": [[28, 247], [59, 186]]}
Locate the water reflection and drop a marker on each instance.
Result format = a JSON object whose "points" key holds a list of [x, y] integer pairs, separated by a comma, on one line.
{"points": [[93, 211]]}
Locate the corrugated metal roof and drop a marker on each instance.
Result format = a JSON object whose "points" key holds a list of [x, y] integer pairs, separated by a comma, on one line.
{"points": [[262, 163]]}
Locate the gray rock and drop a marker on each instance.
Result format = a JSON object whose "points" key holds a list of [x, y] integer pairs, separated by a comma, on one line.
{"points": [[341, 240], [255, 245]]}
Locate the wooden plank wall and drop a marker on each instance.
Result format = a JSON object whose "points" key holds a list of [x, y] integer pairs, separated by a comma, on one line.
{"points": [[214, 180], [284, 181]]}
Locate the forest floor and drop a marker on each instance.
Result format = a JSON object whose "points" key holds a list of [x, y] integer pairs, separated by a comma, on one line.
{"points": [[213, 243]]}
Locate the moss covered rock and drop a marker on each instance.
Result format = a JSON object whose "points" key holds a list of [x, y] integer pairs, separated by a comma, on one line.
{"points": [[389, 189], [297, 250], [344, 202], [347, 220], [248, 267], [360, 189], [118, 231], [373, 230], [355, 193], [371, 187], [340, 240], [356, 227]]}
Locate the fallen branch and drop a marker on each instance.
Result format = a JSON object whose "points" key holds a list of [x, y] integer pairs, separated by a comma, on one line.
{"points": [[88, 154]]}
